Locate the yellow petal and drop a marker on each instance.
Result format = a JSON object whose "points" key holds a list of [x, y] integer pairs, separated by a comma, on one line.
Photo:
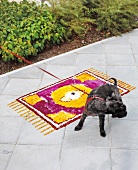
{"points": [[84, 77], [33, 99], [61, 116]]}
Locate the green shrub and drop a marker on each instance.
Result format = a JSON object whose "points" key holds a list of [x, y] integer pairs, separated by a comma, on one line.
{"points": [[27, 28], [115, 16], [71, 14]]}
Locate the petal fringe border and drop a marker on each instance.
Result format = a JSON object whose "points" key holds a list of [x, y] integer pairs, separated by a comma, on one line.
{"points": [[106, 77], [31, 117]]}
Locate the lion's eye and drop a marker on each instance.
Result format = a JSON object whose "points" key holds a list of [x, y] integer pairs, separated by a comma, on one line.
{"points": [[73, 95]]}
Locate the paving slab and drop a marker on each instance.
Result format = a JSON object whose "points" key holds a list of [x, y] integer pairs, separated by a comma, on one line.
{"points": [[60, 71], [120, 60], [31, 136], [124, 73], [134, 48], [67, 60], [85, 67], [3, 82], [118, 49], [133, 39], [96, 49], [124, 159], [47, 81], [132, 108], [30, 73], [4, 101], [133, 94], [123, 39], [124, 134], [33, 157], [18, 86], [91, 59], [6, 151], [10, 129], [136, 58], [86, 158]]}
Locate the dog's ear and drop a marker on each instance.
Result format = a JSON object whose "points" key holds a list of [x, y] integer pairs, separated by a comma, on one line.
{"points": [[116, 95]]}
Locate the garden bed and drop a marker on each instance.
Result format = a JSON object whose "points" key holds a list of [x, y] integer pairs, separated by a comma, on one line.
{"points": [[91, 37]]}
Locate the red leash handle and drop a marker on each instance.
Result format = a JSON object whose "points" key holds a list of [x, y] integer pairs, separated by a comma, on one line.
{"points": [[16, 55]]}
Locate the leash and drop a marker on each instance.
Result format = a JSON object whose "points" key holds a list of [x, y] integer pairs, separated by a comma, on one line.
{"points": [[29, 62]]}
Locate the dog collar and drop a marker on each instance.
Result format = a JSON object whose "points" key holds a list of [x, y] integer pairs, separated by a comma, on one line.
{"points": [[94, 97], [88, 100]]}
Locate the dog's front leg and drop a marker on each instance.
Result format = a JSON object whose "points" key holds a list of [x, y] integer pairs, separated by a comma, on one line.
{"points": [[81, 122], [101, 125]]}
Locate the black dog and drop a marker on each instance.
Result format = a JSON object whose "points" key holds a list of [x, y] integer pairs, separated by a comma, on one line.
{"points": [[105, 99]]}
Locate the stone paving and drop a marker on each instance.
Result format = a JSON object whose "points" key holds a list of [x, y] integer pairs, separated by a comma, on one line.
{"points": [[22, 147]]}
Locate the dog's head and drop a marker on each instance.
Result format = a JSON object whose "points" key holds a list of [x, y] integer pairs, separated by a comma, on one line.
{"points": [[117, 109]]}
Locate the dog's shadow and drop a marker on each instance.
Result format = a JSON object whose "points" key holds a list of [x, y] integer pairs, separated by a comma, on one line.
{"points": [[89, 135]]}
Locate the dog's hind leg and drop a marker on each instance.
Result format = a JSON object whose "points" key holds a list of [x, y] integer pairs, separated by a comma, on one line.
{"points": [[81, 122], [101, 125]]}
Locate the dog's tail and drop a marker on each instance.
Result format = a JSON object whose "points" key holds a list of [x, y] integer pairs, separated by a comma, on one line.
{"points": [[115, 81]]}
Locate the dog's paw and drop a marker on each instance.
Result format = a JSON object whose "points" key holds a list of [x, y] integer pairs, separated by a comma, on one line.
{"points": [[77, 128], [103, 134]]}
